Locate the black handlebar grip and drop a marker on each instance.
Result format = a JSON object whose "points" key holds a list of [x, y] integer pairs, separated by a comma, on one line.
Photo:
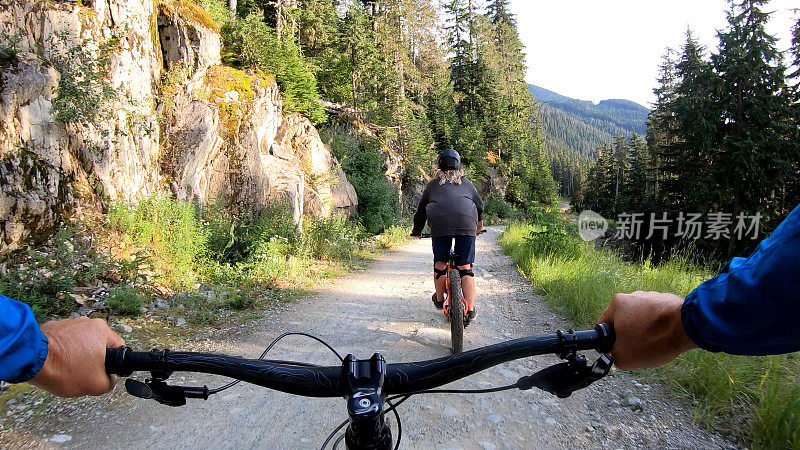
{"points": [[607, 337], [115, 358]]}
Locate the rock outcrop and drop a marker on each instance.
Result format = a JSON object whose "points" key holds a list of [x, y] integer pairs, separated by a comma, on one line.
{"points": [[132, 131]]}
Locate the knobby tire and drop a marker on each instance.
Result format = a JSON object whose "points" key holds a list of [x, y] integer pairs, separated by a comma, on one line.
{"points": [[456, 313]]}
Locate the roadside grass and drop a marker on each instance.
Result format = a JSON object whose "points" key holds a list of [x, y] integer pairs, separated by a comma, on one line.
{"points": [[201, 262], [255, 253], [755, 399], [46, 278], [393, 236]]}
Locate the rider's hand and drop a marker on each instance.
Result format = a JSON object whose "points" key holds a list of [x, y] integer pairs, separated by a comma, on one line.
{"points": [[75, 363], [648, 328]]}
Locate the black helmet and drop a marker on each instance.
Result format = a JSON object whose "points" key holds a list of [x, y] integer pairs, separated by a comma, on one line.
{"points": [[449, 159]]}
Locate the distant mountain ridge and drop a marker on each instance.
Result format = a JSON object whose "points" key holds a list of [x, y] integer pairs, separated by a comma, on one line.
{"points": [[580, 126]]}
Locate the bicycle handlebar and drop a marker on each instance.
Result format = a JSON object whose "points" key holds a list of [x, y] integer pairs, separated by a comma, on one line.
{"points": [[402, 378]]}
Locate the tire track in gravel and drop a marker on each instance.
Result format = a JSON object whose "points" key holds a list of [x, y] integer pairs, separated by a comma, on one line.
{"points": [[387, 309]]}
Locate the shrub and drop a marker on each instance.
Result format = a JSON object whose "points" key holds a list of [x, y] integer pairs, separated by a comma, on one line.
{"points": [[394, 236], [331, 238], [361, 159], [239, 301], [267, 233], [9, 47], [217, 9], [125, 300], [496, 207], [43, 306], [170, 229]]}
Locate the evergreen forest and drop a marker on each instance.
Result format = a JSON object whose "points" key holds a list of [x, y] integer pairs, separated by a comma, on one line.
{"points": [[722, 139], [404, 79]]}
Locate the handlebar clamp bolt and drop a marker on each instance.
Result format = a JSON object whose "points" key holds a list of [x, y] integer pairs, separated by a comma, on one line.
{"points": [[364, 403]]}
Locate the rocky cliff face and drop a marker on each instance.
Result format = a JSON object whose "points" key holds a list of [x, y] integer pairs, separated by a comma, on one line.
{"points": [[121, 99]]}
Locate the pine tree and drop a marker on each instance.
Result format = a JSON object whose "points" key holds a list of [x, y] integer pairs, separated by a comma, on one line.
{"points": [[686, 158], [661, 126], [601, 182], [509, 116], [795, 52], [636, 193], [361, 55], [756, 149], [792, 189]]}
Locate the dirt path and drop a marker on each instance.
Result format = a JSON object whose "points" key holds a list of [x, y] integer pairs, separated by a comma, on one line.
{"points": [[387, 308]]}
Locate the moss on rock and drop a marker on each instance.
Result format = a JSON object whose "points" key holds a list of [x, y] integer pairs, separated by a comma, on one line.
{"points": [[190, 11], [221, 81]]}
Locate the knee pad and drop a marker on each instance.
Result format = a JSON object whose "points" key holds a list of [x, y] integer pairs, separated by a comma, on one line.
{"points": [[466, 272], [438, 273]]}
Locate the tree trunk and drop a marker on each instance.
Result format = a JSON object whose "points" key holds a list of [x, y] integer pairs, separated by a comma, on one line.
{"points": [[279, 18], [232, 9], [284, 17]]}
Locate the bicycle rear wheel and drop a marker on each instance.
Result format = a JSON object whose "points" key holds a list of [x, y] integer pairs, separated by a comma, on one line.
{"points": [[456, 313]]}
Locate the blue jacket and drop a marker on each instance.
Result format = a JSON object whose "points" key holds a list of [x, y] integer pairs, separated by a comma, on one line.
{"points": [[23, 347], [753, 306]]}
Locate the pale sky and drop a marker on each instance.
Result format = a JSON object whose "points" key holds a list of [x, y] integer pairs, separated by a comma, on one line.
{"points": [[596, 50]]}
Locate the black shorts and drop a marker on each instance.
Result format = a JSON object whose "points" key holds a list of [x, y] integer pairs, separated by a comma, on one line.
{"points": [[464, 248]]}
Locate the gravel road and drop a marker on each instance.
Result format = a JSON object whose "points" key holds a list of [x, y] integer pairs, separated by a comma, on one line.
{"points": [[385, 308]]}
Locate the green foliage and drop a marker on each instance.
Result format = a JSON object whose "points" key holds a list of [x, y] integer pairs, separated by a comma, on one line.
{"points": [[45, 280], [124, 299], [394, 236], [332, 238], [170, 230], [495, 207], [9, 47], [232, 240], [84, 92], [217, 9], [754, 398], [261, 250], [361, 160], [492, 102], [240, 301], [712, 146], [581, 279], [553, 235], [581, 125], [251, 43]]}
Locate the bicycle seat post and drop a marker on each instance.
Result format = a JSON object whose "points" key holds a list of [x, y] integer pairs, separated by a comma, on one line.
{"points": [[368, 428]]}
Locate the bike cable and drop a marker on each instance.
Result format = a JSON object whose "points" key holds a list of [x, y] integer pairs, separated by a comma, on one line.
{"points": [[393, 408], [333, 434], [272, 344]]}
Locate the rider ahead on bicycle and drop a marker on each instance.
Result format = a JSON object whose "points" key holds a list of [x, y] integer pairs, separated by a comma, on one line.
{"points": [[454, 211]]}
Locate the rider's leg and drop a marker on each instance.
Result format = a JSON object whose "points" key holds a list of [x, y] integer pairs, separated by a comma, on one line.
{"points": [[465, 248], [441, 253], [439, 282], [468, 287]]}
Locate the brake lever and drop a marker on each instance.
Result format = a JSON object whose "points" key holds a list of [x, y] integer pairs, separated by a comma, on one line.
{"points": [[160, 391], [565, 378]]}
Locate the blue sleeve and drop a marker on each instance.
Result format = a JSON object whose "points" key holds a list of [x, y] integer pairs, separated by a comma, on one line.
{"points": [[23, 347], [753, 306]]}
